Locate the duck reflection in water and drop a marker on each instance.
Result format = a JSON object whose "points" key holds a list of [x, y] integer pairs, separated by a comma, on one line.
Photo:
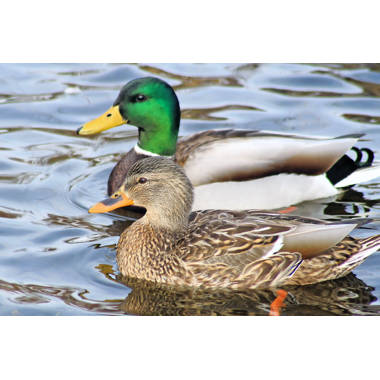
{"points": [[345, 296]]}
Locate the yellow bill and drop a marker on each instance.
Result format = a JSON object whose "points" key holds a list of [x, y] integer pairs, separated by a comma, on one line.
{"points": [[111, 118], [116, 200]]}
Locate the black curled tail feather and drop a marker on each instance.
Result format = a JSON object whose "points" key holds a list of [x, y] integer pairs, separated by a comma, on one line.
{"points": [[346, 165]]}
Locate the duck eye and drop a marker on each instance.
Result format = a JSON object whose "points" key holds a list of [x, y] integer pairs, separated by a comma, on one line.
{"points": [[142, 180], [140, 98]]}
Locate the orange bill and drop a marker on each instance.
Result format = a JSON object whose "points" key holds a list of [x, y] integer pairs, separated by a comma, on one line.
{"points": [[116, 200], [111, 118]]}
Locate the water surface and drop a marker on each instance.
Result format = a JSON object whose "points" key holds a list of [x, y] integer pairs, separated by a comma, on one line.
{"points": [[56, 259]]}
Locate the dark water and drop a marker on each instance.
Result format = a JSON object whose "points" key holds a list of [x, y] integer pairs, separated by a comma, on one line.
{"points": [[56, 259]]}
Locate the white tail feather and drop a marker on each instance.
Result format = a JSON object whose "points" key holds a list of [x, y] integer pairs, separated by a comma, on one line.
{"points": [[361, 175]]}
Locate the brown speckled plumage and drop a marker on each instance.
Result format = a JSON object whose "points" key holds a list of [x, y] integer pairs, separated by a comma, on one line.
{"points": [[222, 249], [160, 256]]}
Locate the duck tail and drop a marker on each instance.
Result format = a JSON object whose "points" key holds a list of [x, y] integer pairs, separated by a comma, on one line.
{"points": [[368, 247], [348, 172], [336, 262]]}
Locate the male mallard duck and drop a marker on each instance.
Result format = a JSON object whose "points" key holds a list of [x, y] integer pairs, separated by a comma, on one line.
{"points": [[267, 169], [221, 248]]}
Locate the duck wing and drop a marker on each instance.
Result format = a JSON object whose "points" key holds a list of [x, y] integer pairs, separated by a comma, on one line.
{"points": [[259, 234], [234, 273], [240, 155], [235, 235]]}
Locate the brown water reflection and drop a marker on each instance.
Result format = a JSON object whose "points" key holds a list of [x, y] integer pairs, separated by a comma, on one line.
{"points": [[346, 296]]}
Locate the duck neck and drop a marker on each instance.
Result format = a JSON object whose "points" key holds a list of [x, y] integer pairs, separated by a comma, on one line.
{"points": [[161, 237], [161, 138], [168, 222]]}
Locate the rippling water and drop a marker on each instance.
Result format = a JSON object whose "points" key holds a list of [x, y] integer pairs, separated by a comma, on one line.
{"points": [[56, 259]]}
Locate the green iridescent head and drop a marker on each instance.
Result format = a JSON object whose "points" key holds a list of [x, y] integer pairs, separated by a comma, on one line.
{"points": [[149, 104]]}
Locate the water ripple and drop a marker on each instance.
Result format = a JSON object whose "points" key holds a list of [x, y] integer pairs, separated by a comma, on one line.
{"points": [[55, 258]]}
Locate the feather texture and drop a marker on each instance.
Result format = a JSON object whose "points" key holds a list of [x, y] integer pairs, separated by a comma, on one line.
{"points": [[226, 249]]}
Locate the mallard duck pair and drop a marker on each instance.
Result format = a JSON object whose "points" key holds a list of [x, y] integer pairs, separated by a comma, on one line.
{"points": [[223, 248], [234, 169], [267, 170]]}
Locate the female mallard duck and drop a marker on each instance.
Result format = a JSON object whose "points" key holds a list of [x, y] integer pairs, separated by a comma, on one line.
{"points": [[219, 248], [267, 169]]}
